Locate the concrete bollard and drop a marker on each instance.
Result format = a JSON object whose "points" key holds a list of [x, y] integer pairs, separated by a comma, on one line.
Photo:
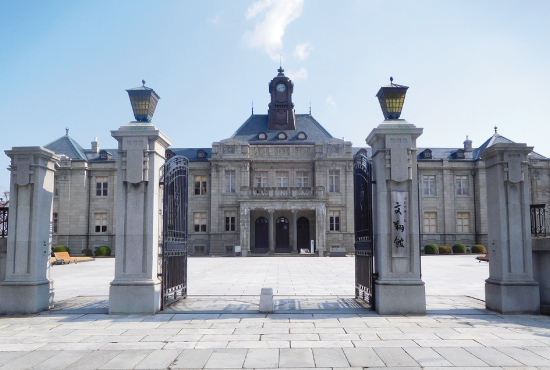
{"points": [[266, 301]]}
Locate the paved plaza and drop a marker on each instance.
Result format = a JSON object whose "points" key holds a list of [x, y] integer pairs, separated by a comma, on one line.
{"points": [[316, 324]]}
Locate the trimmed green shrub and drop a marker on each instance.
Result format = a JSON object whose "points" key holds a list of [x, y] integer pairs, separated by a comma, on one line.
{"points": [[431, 249], [103, 251], [61, 248], [88, 252], [444, 249], [479, 249], [459, 248]]}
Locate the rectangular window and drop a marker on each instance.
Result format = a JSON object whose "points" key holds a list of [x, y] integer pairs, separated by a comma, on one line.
{"points": [[55, 222], [200, 185], [101, 222], [462, 185], [260, 179], [56, 188], [302, 179], [200, 222], [463, 222], [282, 179], [334, 220], [230, 220], [333, 181], [430, 222], [428, 185], [101, 186], [230, 181]]}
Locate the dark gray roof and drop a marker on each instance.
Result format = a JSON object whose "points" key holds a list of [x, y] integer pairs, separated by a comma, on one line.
{"points": [[192, 153], [94, 157], [497, 139], [448, 153], [67, 146], [248, 132]]}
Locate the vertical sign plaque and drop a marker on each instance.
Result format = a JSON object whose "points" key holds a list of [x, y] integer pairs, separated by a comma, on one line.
{"points": [[400, 223]]}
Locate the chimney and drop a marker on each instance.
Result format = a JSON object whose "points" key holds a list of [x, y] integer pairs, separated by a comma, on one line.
{"points": [[467, 145], [95, 146]]}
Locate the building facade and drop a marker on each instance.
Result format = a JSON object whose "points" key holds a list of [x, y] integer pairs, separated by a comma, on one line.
{"points": [[280, 184]]}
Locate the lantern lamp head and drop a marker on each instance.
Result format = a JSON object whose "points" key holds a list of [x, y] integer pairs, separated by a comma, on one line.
{"points": [[391, 99], [144, 101]]}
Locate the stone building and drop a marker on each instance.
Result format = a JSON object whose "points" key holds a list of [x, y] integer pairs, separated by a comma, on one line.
{"points": [[280, 184]]}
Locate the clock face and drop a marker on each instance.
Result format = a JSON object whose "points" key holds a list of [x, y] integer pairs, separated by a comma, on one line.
{"points": [[281, 87]]}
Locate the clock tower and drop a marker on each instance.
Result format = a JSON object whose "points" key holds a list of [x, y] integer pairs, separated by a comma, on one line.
{"points": [[281, 109]]}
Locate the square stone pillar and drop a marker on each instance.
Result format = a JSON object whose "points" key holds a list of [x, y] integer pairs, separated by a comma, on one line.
{"points": [[398, 289], [321, 229], [136, 287], [245, 230], [510, 287], [27, 287]]}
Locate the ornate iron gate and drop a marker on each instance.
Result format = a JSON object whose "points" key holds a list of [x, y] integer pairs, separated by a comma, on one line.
{"points": [[364, 264], [174, 175], [4, 222]]}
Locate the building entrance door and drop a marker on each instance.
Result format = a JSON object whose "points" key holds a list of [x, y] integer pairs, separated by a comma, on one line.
{"points": [[173, 269], [261, 239], [282, 236], [302, 225]]}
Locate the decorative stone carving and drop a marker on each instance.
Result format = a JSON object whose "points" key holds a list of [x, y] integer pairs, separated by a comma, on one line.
{"points": [[23, 170], [282, 151], [399, 157], [229, 149]]}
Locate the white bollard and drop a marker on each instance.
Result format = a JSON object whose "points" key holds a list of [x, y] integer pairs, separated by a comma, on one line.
{"points": [[266, 301]]}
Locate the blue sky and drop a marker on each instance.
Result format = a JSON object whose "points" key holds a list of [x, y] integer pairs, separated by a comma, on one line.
{"points": [[470, 66]]}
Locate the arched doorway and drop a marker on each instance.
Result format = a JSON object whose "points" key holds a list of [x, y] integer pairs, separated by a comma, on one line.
{"points": [[261, 239], [282, 238], [302, 224]]}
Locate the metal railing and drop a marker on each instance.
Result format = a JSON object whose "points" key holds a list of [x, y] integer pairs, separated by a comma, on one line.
{"points": [[4, 222], [283, 192], [539, 223]]}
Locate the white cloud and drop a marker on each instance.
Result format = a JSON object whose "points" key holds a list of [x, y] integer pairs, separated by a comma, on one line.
{"points": [[273, 16], [330, 101], [215, 19], [301, 74], [302, 51]]}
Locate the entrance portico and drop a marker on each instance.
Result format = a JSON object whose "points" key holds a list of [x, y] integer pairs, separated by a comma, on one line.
{"points": [[282, 226]]}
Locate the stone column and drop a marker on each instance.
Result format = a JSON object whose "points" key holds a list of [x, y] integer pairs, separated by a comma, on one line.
{"points": [[245, 230], [510, 287], [398, 289], [271, 232], [321, 229], [294, 244], [27, 287], [136, 287]]}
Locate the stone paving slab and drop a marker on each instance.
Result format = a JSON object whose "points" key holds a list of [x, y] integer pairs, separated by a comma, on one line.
{"points": [[188, 341], [322, 331]]}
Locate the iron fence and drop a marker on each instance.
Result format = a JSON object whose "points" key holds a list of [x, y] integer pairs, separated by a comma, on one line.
{"points": [[539, 223]]}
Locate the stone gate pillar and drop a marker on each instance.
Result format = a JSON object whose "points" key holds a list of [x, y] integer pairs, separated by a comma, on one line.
{"points": [[398, 289], [27, 287], [136, 287], [510, 287]]}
